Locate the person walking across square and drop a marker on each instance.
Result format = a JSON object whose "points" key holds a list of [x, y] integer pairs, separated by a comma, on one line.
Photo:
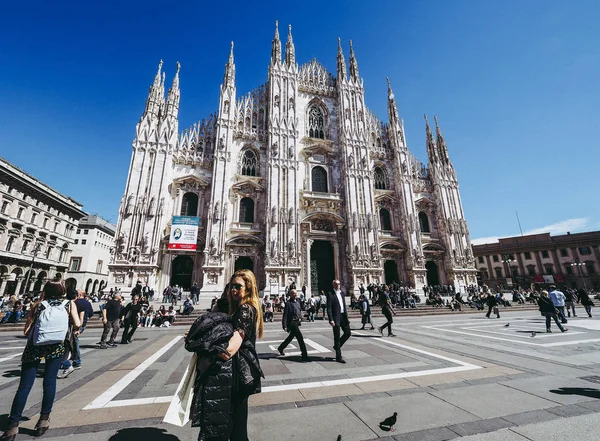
{"points": [[131, 318], [558, 298], [337, 314], [111, 315], [548, 309], [387, 310], [365, 311], [291, 322]]}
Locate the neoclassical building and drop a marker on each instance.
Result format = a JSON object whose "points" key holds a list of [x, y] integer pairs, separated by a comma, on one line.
{"points": [[88, 263], [37, 225], [296, 180]]}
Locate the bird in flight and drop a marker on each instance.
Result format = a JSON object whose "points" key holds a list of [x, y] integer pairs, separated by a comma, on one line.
{"points": [[389, 422]]}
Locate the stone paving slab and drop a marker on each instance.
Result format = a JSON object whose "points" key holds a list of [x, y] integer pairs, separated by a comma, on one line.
{"points": [[580, 428], [311, 423], [500, 435], [480, 426], [416, 411], [542, 386], [488, 401]]}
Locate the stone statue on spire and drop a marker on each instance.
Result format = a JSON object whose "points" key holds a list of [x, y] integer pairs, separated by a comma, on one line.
{"points": [[290, 50], [353, 64], [276, 46], [341, 61]]}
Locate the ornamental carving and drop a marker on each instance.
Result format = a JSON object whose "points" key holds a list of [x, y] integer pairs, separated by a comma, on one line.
{"points": [[322, 225]]}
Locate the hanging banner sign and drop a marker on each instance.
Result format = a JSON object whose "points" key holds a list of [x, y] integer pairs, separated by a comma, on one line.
{"points": [[184, 233]]}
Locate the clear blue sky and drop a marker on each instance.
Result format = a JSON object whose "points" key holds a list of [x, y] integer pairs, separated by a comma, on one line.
{"points": [[515, 85]]}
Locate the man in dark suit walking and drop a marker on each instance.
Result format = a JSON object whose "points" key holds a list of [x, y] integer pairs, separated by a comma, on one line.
{"points": [[291, 321], [337, 314]]}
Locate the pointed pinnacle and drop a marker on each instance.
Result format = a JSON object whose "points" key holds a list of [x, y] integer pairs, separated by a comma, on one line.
{"points": [[351, 49], [231, 53], [339, 44], [290, 31], [178, 67], [160, 63], [276, 29]]}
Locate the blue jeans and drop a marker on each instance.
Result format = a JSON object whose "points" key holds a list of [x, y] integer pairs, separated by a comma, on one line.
{"points": [[28, 374], [6, 317]]}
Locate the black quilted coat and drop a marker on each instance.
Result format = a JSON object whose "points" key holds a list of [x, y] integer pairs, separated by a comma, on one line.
{"points": [[211, 406]]}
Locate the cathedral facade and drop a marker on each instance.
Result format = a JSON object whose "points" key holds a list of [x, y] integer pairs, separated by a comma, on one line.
{"points": [[297, 180]]}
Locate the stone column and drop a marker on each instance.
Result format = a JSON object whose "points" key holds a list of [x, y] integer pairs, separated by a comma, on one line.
{"points": [[3, 283], [19, 283], [309, 243], [336, 260]]}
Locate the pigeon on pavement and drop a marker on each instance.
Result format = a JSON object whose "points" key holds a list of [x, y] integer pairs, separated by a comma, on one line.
{"points": [[389, 422], [533, 334], [339, 438], [507, 325]]}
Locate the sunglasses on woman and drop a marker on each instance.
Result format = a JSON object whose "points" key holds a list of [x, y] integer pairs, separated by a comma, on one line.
{"points": [[237, 286]]}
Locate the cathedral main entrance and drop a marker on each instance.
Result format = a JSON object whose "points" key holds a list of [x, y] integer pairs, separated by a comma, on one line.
{"points": [[244, 262], [433, 277], [181, 271], [390, 269], [322, 266]]}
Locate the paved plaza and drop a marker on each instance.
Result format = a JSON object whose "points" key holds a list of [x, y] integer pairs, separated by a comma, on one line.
{"points": [[458, 376]]}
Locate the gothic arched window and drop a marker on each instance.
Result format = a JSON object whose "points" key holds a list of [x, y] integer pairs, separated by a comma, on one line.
{"points": [[316, 123], [424, 222], [249, 163], [379, 178], [189, 204], [385, 219], [319, 179], [247, 210]]}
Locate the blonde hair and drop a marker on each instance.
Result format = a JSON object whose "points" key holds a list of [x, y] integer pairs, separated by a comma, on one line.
{"points": [[250, 297], [545, 293]]}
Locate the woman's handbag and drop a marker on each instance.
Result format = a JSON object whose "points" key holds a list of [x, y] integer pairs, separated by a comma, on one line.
{"points": [[496, 310], [178, 413]]}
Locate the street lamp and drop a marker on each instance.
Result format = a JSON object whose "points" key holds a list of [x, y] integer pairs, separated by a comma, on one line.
{"points": [[507, 259], [36, 250], [578, 264]]}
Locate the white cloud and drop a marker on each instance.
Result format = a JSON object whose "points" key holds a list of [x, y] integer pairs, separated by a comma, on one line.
{"points": [[482, 240], [562, 227], [571, 225]]}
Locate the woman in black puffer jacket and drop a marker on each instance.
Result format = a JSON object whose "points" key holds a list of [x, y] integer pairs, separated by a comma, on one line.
{"points": [[211, 405], [228, 369]]}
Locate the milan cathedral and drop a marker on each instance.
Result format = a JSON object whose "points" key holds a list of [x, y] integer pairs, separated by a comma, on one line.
{"points": [[297, 180]]}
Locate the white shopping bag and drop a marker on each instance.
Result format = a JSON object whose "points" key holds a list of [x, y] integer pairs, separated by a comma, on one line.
{"points": [[178, 413]]}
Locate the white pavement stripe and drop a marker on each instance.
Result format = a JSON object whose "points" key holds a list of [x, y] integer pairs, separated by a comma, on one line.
{"points": [[574, 342], [462, 366], [526, 332], [421, 351], [138, 401], [10, 357], [120, 385], [283, 387], [523, 342], [313, 384]]}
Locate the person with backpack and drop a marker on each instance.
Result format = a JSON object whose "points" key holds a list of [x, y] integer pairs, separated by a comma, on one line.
{"points": [[46, 330], [365, 311]]}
